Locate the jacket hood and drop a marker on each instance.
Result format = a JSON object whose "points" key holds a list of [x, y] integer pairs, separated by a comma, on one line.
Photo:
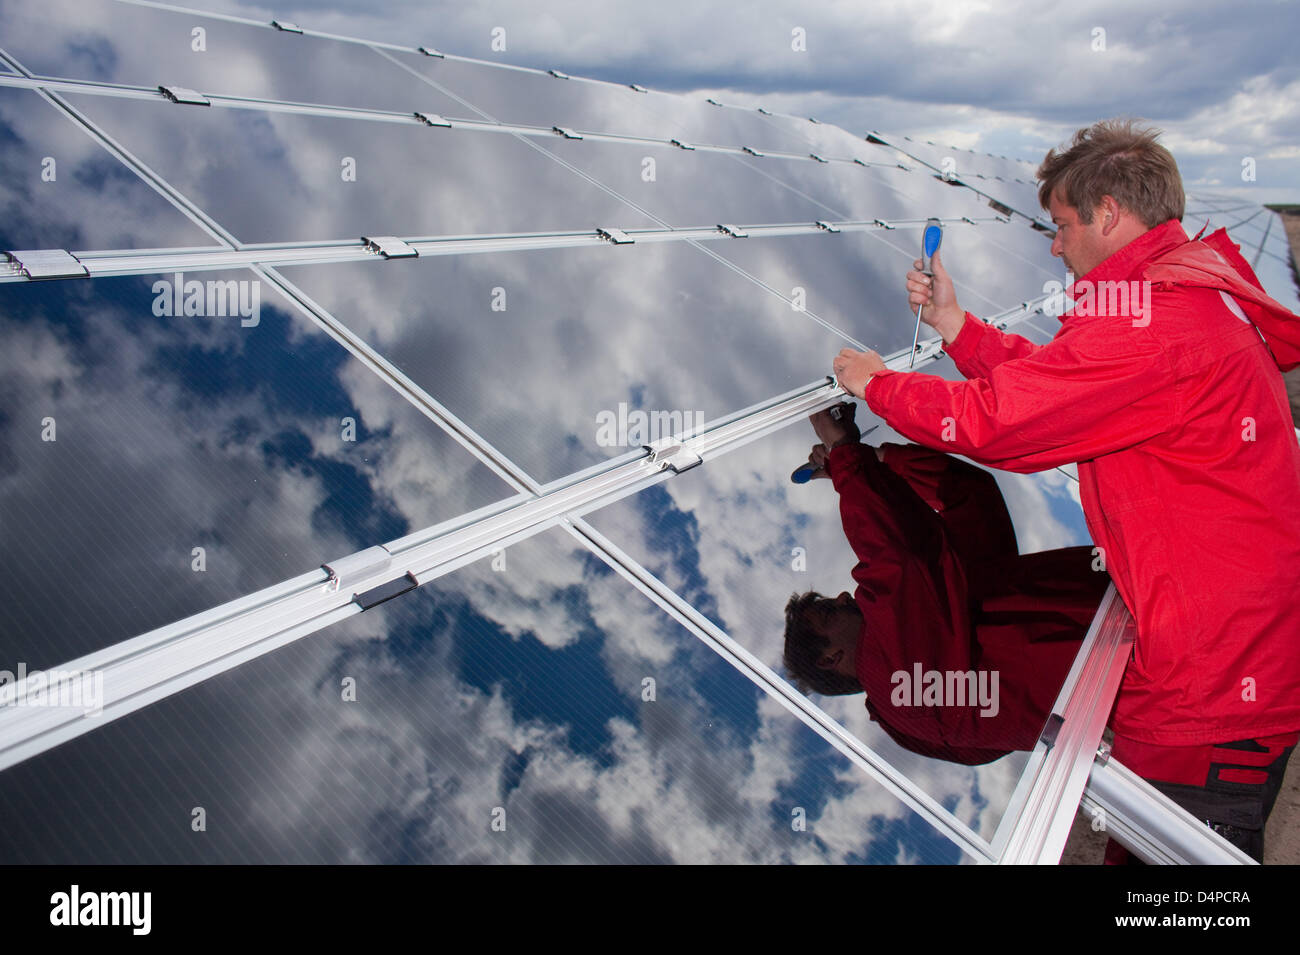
{"points": [[1216, 263]]}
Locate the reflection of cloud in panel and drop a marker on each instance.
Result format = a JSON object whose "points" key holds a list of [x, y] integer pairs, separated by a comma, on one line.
{"points": [[424, 755]]}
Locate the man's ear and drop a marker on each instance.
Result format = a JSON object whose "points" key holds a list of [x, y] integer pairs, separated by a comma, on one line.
{"points": [[1109, 211]]}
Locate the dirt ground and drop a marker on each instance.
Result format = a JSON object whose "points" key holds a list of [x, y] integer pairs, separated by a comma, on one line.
{"points": [[1282, 836]]}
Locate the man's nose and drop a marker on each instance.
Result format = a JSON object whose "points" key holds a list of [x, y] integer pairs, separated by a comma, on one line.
{"points": [[1056, 245]]}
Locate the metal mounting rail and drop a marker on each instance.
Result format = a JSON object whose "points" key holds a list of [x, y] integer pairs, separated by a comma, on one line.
{"points": [[98, 263], [1039, 827], [1149, 823], [179, 96]]}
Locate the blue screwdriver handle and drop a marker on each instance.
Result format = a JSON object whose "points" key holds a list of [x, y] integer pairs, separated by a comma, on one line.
{"points": [[931, 239]]}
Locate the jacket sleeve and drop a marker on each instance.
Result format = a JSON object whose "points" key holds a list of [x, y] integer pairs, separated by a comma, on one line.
{"points": [[968, 499], [979, 348], [1099, 386]]}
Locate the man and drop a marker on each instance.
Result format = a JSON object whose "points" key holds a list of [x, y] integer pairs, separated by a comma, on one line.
{"points": [[1189, 470], [960, 642]]}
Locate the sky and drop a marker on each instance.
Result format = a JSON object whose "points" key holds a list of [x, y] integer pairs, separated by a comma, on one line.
{"points": [[1012, 78]]}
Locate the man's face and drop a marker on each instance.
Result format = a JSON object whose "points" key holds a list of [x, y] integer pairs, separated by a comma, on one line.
{"points": [[1082, 247], [840, 621]]}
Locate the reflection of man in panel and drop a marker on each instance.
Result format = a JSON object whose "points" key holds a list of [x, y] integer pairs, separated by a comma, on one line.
{"points": [[1163, 384], [960, 642]]}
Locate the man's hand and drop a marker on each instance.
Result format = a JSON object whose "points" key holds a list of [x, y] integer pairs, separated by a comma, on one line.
{"points": [[832, 431], [854, 368], [941, 311]]}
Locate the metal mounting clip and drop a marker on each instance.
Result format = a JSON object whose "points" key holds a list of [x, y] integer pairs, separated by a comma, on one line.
{"points": [[673, 457], [181, 94], [389, 246], [49, 264]]}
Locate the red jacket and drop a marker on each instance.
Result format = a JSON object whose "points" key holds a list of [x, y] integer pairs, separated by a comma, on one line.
{"points": [[1189, 473], [948, 592]]}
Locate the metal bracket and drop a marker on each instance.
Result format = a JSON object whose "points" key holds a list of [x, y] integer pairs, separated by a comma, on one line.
{"points": [[969, 219], [814, 119], [558, 74], [638, 88], [358, 566], [389, 246], [180, 94], [285, 26], [432, 119], [822, 224], [764, 112], [681, 145], [712, 101], [735, 231], [673, 457], [1052, 729], [617, 236], [430, 51], [883, 224], [377, 595], [49, 264], [818, 158], [752, 151], [566, 132]]}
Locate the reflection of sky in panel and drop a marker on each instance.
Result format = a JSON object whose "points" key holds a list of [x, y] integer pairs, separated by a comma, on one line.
{"points": [[832, 142], [516, 96], [121, 43], [994, 265], [529, 99], [857, 280], [855, 193], [1016, 187], [518, 689], [701, 122], [689, 188], [659, 327], [93, 201], [971, 162], [276, 176], [852, 280], [176, 433], [722, 536]]}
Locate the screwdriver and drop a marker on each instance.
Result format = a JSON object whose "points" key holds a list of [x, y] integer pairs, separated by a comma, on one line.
{"points": [[804, 472], [930, 239]]}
